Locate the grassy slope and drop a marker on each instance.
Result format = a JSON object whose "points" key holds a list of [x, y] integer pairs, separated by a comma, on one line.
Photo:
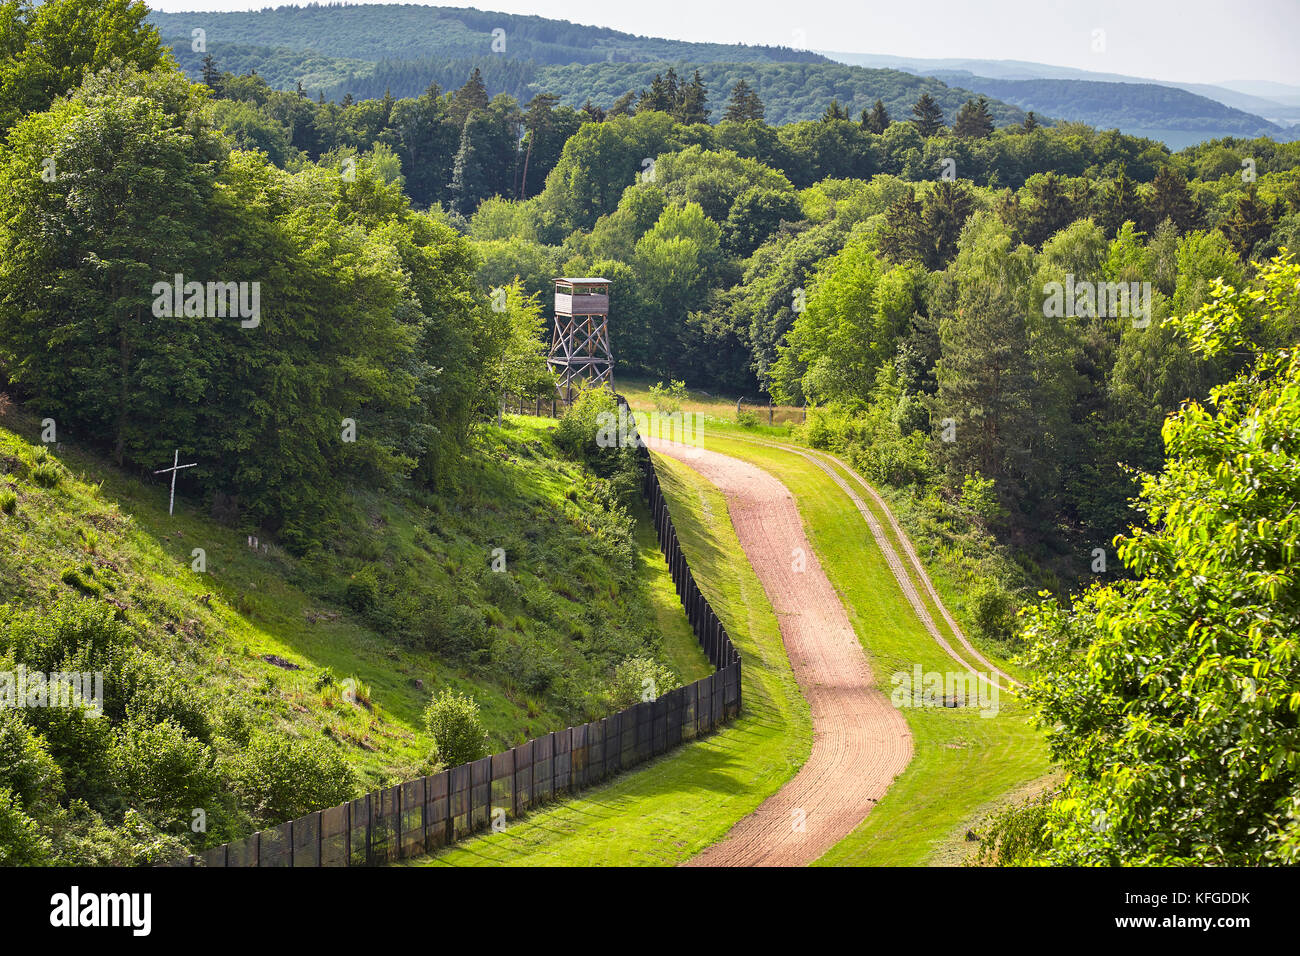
{"points": [[962, 761], [667, 811], [249, 605]]}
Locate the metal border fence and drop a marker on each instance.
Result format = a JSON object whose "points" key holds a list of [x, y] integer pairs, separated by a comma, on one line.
{"points": [[427, 814]]}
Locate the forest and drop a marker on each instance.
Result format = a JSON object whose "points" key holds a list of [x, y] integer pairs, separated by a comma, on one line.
{"points": [[886, 264]]}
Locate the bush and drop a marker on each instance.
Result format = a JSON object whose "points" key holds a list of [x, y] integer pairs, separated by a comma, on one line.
{"points": [[47, 474], [591, 431], [27, 771], [21, 840], [458, 735], [279, 779], [993, 611], [640, 678], [362, 591], [163, 772], [8, 502], [41, 639]]}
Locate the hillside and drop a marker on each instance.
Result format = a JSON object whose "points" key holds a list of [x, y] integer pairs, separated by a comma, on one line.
{"points": [[323, 663], [1136, 108], [369, 50]]}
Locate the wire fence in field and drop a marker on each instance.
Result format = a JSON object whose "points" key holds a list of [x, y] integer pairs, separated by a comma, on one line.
{"points": [[423, 815]]}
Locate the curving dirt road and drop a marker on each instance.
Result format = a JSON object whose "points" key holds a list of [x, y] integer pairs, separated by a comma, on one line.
{"points": [[860, 741]]}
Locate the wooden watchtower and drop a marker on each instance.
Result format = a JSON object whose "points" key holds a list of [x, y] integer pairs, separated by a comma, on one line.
{"points": [[580, 353]]}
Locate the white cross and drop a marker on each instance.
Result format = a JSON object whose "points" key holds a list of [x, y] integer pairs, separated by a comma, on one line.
{"points": [[176, 466]]}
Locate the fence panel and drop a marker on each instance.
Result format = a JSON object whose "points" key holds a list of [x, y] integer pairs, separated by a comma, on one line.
{"points": [[412, 833], [543, 768], [306, 840], [481, 780], [523, 777], [503, 785], [334, 828], [276, 846], [359, 825], [578, 755], [460, 800], [215, 856], [563, 760], [244, 853]]}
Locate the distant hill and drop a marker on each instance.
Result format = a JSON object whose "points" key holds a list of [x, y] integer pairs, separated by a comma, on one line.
{"points": [[369, 50], [393, 31], [1274, 103], [1129, 107]]}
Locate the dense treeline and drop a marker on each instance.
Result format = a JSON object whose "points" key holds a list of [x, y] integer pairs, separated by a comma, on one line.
{"points": [[323, 358]]}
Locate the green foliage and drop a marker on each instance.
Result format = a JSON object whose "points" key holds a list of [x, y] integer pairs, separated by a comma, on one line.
{"points": [[1170, 698], [453, 721], [279, 778], [668, 398], [639, 679]]}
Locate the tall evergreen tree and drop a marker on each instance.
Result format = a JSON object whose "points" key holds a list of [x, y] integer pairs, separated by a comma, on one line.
{"points": [[877, 121], [835, 112], [986, 389], [744, 104], [974, 121], [1171, 199], [1031, 122], [929, 117], [691, 108], [1250, 222]]}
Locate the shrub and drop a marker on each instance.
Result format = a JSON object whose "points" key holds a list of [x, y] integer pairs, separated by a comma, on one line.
{"points": [[27, 770], [8, 501], [993, 611], [83, 579], [453, 721], [668, 398], [21, 840], [47, 474], [746, 418], [362, 591], [163, 772], [279, 779], [42, 638], [637, 679]]}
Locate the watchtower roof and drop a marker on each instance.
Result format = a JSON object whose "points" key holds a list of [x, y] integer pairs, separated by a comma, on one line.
{"points": [[585, 281]]}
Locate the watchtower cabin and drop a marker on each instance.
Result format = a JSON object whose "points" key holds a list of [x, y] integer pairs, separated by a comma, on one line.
{"points": [[580, 352]]}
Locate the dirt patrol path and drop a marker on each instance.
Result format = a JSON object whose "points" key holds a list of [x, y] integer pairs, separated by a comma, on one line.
{"points": [[860, 741]]}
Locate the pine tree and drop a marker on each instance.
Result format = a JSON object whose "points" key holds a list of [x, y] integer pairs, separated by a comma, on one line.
{"points": [[1031, 122], [657, 98], [1171, 199], [469, 98], [929, 117], [212, 76], [986, 387], [744, 104], [946, 210], [1119, 203], [877, 121], [592, 112], [974, 121], [835, 112], [691, 108], [624, 105], [903, 237], [1251, 222]]}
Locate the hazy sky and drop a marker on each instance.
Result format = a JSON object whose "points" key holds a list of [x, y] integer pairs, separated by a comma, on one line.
{"points": [[1184, 40]]}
